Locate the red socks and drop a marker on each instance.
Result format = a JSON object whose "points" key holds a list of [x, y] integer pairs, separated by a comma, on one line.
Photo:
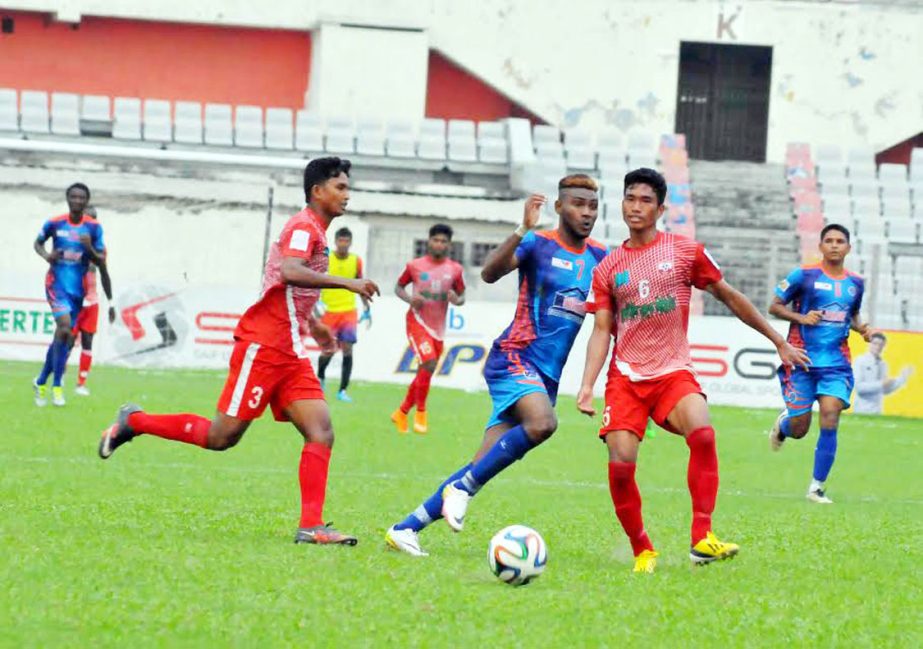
{"points": [[423, 379], [312, 475], [627, 501], [86, 359], [702, 477], [411, 397], [186, 428]]}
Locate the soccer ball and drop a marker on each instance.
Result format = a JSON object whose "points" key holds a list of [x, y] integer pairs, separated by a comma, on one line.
{"points": [[517, 555]]}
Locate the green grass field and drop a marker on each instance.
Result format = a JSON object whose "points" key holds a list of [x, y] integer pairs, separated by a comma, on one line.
{"points": [[169, 545]]}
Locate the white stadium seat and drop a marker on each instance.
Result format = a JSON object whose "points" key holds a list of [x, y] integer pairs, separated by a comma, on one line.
{"points": [[494, 151], [309, 132], [460, 129], [126, 118], [279, 130], [65, 113], [491, 131], [95, 108], [158, 123], [542, 133], [463, 148], [248, 127], [218, 128], [9, 110], [370, 137], [581, 158], [187, 125], [340, 140], [34, 111]]}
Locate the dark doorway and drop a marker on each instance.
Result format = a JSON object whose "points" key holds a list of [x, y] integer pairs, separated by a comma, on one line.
{"points": [[723, 101]]}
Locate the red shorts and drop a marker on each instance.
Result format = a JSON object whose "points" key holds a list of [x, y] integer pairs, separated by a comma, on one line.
{"points": [[87, 319], [262, 375], [425, 346], [630, 403]]}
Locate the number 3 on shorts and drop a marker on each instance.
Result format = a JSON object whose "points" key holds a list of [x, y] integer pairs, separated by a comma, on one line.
{"points": [[607, 416], [257, 396]]}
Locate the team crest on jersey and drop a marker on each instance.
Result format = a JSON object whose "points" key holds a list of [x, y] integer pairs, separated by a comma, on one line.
{"points": [[424, 276], [621, 278], [852, 291], [570, 304], [665, 266]]}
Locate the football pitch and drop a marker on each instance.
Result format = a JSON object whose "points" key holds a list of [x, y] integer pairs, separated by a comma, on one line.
{"points": [[170, 545]]}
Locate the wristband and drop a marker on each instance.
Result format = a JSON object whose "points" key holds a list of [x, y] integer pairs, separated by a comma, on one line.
{"points": [[521, 231]]}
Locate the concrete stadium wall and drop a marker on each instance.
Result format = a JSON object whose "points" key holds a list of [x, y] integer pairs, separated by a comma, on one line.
{"points": [[841, 72]]}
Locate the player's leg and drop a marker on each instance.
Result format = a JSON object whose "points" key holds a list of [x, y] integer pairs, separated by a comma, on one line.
{"points": [[86, 361], [311, 418], [623, 427], [399, 416], [403, 536], [688, 416], [425, 373], [798, 392], [249, 384], [322, 362], [834, 389], [346, 348]]}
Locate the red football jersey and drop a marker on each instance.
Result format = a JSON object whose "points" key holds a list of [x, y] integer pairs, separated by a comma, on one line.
{"points": [[432, 280], [648, 291], [279, 319]]}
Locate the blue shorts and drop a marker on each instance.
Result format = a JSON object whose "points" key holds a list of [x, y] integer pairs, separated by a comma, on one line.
{"points": [[509, 378], [801, 388], [62, 302]]}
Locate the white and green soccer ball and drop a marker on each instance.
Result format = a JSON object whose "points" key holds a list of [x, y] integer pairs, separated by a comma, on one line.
{"points": [[517, 554]]}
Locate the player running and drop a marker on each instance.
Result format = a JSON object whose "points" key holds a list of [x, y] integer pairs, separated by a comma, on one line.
{"points": [[89, 316], [826, 299], [437, 282], [525, 362], [340, 315], [269, 364], [640, 296], [77, 239]]}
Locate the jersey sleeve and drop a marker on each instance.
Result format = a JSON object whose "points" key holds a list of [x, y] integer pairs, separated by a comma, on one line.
{"points": [[359, 270], [96, 239], [860, 292], [458, 283], [46, 231], [525, 248], [705, 269], [298, 241], [790, 287], [406, 277], [600, 296]]}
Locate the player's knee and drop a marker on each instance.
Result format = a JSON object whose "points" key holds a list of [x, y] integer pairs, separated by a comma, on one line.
{"points": [[429, 366], [799, 428], [830, 419], [222, 440], [541, 427], [322, 435]]}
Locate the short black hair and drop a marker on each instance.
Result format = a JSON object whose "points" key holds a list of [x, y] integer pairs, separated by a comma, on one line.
{"points": [[878, 335], [320, 170], [78, 186], [837, 227], [343, 232], [441, 228], [649, 177]]}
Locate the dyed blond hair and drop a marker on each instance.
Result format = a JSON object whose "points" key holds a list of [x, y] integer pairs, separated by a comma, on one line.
{"points": [[578, 181]]}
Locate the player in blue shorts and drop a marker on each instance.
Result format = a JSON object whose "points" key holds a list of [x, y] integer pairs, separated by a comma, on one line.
{"points": [[825, 301], [77, 240], [525, 362]]}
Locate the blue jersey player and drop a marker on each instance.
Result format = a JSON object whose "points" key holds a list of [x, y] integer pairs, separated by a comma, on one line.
{"points": [[825, 300], [77, 240], [525, 363]]}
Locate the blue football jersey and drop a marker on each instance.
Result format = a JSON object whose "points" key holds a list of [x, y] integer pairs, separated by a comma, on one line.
{"points": [[554, 281], [838, 299], [66, 273]]}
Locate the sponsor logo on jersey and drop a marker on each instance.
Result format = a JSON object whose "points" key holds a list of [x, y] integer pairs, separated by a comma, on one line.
{"points": [[299, 241], [643, 311], [827, 286], [569, 303], [566, 264], [783, 285], [621, 278], [665, 265]]}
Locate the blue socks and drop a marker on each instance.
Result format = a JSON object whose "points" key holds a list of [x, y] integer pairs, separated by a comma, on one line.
{"points": [[48, 367], [431, 509], [55, 362], [824, 453], [511, 447]]}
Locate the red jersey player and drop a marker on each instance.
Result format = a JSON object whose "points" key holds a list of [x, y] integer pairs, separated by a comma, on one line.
{"points": [[89, 315], [269, 363], [640, 296], [437, 282]]}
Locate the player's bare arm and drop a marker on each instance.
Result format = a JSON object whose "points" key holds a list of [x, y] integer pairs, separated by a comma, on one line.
{"points": [[295, 271], [747, 313], [106, 281], [416, 301], [779, 309], [862, 328], [455, 298], [502, 259], [596, 351]]}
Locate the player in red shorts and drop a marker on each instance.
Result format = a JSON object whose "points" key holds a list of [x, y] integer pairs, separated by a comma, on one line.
{"points": [[269, 364], [88, 317], [437, 282], [640, 295]]}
